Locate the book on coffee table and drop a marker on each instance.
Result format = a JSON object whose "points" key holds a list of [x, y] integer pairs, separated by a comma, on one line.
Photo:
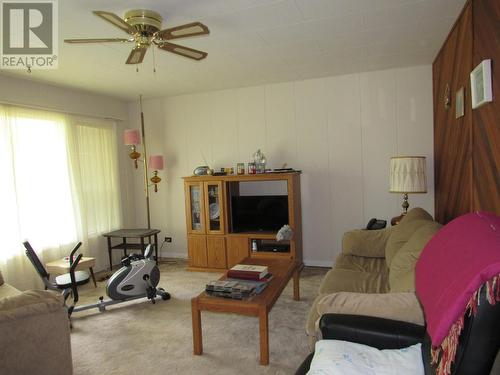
{"points": [[248, 272]]}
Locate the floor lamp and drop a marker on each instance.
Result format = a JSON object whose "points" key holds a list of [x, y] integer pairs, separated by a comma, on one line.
{"points": [[134, 138]]}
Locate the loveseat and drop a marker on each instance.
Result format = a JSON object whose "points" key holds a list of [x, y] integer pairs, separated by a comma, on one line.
{"points": [[34, 332], [375, 274]]}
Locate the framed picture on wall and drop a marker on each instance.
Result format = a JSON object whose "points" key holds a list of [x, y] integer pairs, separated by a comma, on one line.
{"points": [[459, 103], [480, 84]]}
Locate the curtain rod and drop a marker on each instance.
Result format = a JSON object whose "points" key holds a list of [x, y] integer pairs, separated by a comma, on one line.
{"points": [[30, 106]]}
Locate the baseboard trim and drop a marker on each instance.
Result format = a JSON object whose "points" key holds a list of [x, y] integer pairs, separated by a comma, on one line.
{"points": [[318, 263], [170, 254]]}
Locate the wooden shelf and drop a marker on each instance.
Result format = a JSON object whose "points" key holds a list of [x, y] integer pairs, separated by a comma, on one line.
{"points": [[129, 245], [256, 235], [270, 254]]}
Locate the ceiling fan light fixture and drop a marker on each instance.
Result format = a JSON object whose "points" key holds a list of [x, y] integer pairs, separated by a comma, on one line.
{"points": [[143, 41]]}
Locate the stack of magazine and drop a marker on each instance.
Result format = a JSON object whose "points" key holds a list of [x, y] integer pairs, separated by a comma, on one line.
{"points": [[236, 287]]}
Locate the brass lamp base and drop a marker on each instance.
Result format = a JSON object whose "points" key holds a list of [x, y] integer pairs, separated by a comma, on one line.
{"points": [[134, 155], [396, 220], [155, 180]]}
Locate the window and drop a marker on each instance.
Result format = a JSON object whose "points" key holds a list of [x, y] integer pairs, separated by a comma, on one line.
{"points": [[58, 179]]}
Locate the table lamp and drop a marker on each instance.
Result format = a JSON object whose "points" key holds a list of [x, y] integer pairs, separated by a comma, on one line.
{"points": [[407, 175]]}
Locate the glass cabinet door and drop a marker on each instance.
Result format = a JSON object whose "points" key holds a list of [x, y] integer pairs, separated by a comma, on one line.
{"points": [[195, 208], [214, 205]]}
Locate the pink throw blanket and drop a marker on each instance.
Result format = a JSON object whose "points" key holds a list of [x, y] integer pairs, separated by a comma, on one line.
{"points": [[462, 257]]}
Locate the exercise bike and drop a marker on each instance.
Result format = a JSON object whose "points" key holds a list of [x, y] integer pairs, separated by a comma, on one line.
{"points": [[137, 278]]}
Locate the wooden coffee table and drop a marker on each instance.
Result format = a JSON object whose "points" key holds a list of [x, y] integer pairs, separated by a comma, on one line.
{"points": [[258, 305]]}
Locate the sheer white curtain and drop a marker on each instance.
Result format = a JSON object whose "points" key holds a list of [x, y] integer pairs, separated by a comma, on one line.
{"points": [[58, 185], [95, 183]]}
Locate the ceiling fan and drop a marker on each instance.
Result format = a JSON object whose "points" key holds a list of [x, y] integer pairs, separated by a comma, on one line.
{"points": [[144, 26]]}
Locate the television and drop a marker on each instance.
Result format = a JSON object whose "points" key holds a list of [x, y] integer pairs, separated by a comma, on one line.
{"points": [[258, 213]]}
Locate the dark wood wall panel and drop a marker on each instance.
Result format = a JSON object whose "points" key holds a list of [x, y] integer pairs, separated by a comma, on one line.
{"points": [[453, 137], [486, 119]]}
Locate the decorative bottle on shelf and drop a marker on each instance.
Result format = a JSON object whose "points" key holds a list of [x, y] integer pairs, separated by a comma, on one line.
{"points": [[260, 161], [251, 168], [254, 246]]}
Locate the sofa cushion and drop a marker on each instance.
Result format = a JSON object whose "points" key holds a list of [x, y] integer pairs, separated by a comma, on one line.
{"points": [[402, 271], [397, 306], [343, 357], [402, 232], [366, 243], [27, 303], [363, 264], [342, 280]]}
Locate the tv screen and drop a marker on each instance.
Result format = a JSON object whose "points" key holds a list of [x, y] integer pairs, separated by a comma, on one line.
{"points": [[259, 213]]}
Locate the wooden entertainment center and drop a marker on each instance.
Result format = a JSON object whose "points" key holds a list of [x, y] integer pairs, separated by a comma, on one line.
{"points": [[213, 242]]}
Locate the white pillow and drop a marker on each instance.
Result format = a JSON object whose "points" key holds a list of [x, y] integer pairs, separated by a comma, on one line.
{"points": [[335, 357]]}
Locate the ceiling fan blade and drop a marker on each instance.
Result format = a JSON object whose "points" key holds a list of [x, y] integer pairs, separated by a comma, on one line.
{"points": [[103, 40], [136, 55], [115, 20], [183, 31], [183, 51]]}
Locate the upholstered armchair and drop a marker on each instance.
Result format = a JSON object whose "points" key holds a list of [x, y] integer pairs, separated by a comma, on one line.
{"points": [[34, 332]]}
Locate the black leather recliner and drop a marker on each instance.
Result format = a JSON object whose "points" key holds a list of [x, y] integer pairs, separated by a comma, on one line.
{"points": [[478, 345]]}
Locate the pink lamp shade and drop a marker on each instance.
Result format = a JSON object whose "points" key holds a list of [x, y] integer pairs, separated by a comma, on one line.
{"points": [[156, 162], [132, 137]]}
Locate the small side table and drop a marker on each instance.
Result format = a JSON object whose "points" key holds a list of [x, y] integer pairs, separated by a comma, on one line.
{"points": [[125, 234], [59, 267]]}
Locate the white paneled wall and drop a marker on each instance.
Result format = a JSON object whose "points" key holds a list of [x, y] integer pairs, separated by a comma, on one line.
{"points": [[340, 131]]}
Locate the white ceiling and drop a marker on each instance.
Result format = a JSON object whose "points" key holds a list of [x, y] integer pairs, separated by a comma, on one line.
{"points": [[251, 42]]}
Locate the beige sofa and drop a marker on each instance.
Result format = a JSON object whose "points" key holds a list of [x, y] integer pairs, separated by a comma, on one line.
{"points": [[34, 333], [375, 273]]}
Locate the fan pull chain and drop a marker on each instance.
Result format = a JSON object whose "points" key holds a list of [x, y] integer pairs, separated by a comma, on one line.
{"points": [[154, 61]]}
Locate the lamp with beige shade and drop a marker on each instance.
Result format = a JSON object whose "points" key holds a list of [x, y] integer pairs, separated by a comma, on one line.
{"points": [[407, 175]]}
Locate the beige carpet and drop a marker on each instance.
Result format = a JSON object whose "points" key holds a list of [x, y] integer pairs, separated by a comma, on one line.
{"points": [[138, 337]]}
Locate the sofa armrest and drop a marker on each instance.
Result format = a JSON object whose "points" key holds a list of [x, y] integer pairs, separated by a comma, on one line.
{"points": [[376, 332], [31, 302], [365, 243]]}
